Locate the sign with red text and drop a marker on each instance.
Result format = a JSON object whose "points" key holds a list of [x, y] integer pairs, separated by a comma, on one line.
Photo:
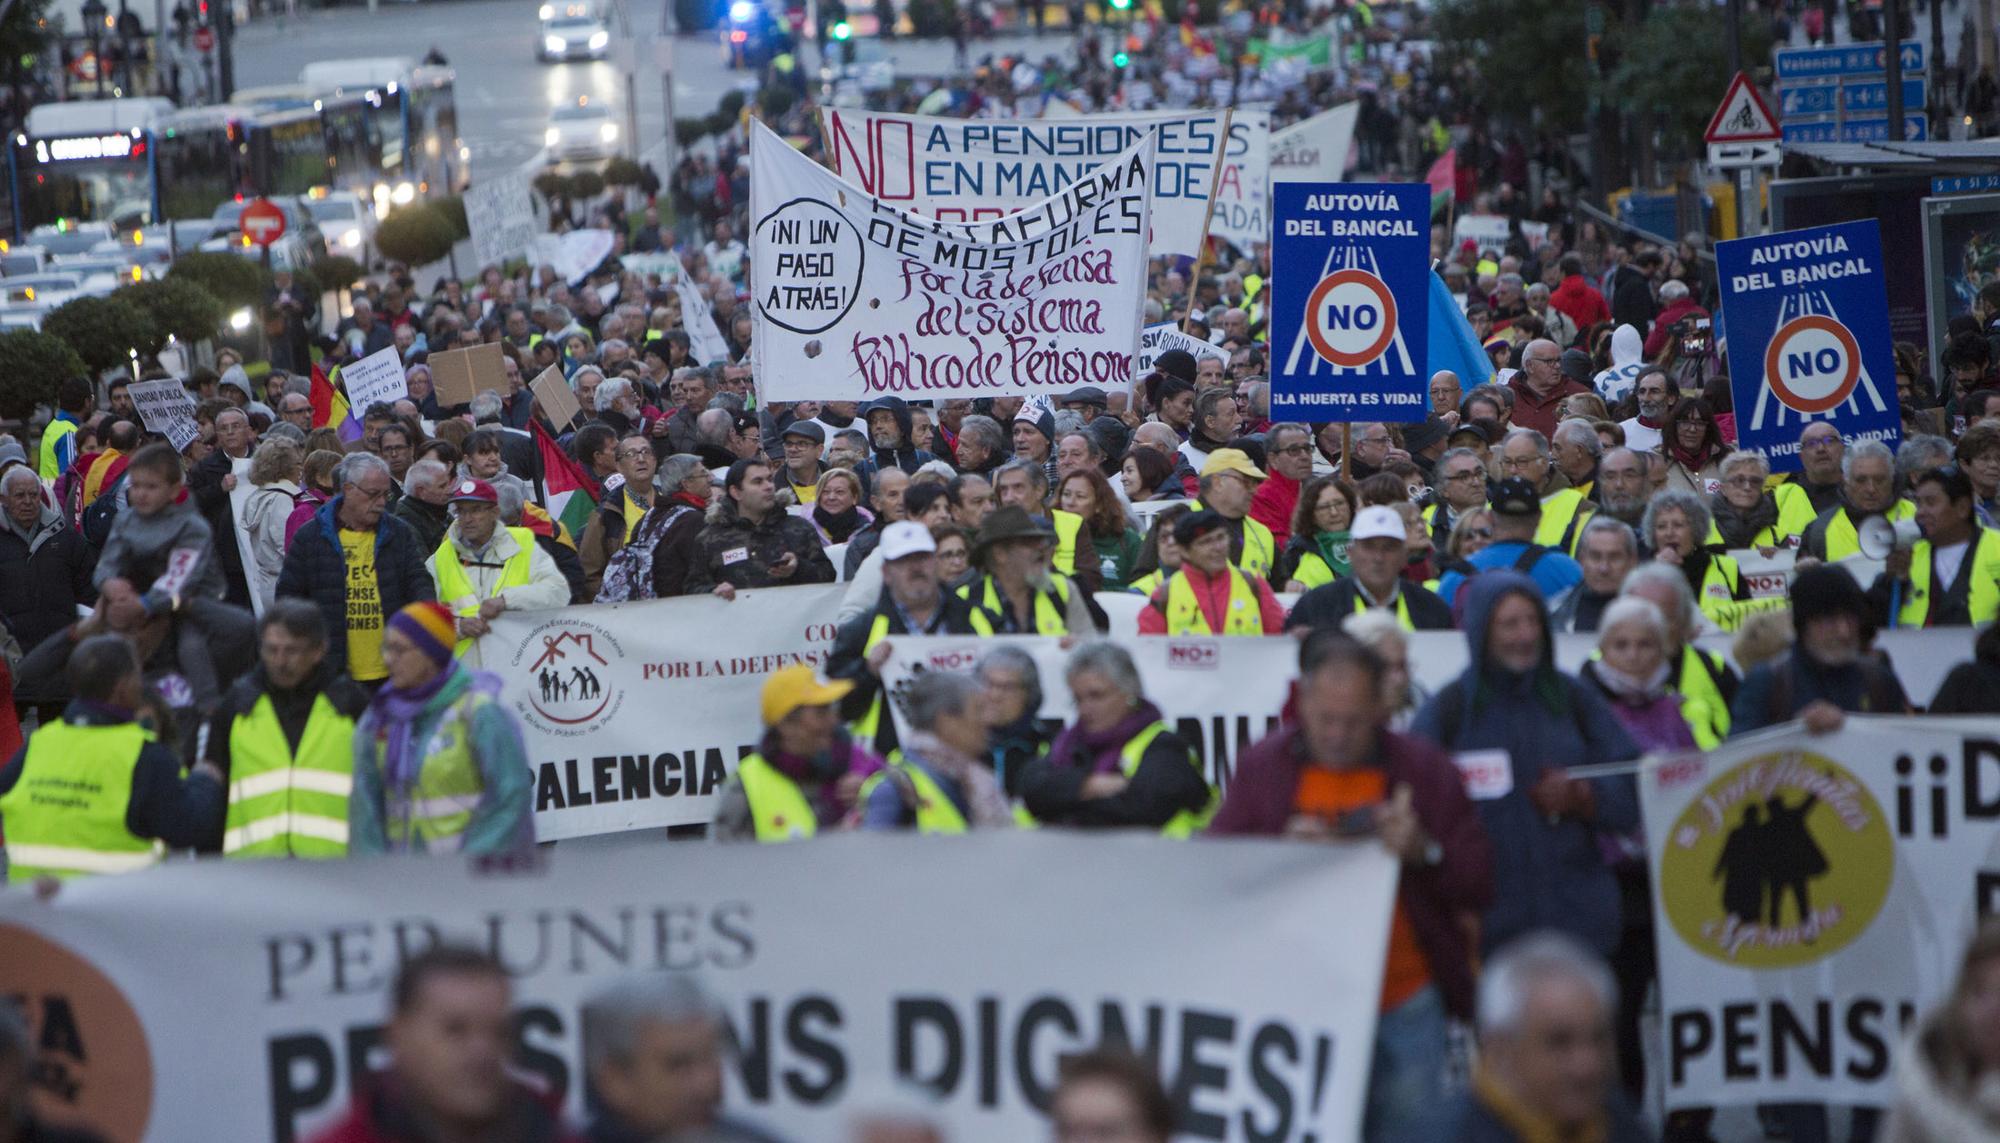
{"points": [[634, 714], [857, 298]]}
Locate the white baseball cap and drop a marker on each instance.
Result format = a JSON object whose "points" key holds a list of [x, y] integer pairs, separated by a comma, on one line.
{"points": [[1377, 522], [906, 538]]}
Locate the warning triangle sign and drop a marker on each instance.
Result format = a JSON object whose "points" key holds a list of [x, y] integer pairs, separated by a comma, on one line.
{"points": [[1744, 117]]}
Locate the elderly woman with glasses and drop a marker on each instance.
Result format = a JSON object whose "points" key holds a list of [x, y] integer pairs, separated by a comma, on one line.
{"points": [[1748, 515], [1676, 528]]}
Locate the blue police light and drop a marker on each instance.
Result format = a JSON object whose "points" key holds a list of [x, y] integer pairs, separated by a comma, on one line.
{"points": [[743, 11]]}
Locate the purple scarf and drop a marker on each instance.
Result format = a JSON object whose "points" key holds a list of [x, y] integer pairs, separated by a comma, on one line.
{"points": [[396, 710], [1103, 747]]}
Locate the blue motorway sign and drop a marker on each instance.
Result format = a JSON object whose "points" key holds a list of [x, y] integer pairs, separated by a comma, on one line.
{"points": [[1838, 60], [1808, 314], [1965, 184], [1350, 314], [1854, 96], [1916, 128]]}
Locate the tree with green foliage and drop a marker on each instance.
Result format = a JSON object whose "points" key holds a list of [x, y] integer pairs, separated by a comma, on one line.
{"points": [[1529, 58], [452, 207], [621, 172], [32, 365], [338, 272], [1675, 64], [418, 235], [231, 279], [586, 184], [177, 306], [103, 331]]}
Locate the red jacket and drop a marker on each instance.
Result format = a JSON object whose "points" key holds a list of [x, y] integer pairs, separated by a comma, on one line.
{"points": [[1663, 325], [1581, 301], [376, 1117], [1260, 801], [1540, 412], [1271, 505]]}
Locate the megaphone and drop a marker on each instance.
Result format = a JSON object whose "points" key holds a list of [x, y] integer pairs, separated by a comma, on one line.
{"points": [[1879, 537]]}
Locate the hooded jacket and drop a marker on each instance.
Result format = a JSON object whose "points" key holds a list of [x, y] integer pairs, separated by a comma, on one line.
{"points": [[1628, 356], [1547, 874], [905, 455]]}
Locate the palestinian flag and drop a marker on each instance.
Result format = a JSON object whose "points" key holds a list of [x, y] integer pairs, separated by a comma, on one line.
{"points": [[567, 490]]}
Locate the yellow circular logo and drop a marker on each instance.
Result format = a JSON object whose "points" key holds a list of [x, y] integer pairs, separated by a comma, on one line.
{"points": [[1779, 862]]}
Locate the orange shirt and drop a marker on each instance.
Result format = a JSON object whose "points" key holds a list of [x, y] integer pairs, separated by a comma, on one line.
{"points": [[1329, 794]]}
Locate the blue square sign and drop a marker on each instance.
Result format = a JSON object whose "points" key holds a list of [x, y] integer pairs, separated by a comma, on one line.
{"points": [[1350, 314]]}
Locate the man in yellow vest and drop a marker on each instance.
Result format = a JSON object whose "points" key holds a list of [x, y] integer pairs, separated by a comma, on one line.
{"points": [[1377, 549], [805, 775], [1228, 483], [912, 602], [1867, 489], [1525, 453], [73, 404], [1209, 595], [1026, 484], [482, 569], [1016, 585], [1951, 578], [96, 792], [283, 740]]}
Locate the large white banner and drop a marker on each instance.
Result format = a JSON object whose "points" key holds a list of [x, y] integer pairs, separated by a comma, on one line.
{"points": [[1163, 336], [705, 341], [856, 298], [1220, 694], [500, 213], [1315, 150], [1813, 896], [239, 1000], [636, 713], [1243, 193], [968, 170]]}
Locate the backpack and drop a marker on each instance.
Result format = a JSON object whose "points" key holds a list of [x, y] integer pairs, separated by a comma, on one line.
{"points": [[628, 575], [102, 513]]}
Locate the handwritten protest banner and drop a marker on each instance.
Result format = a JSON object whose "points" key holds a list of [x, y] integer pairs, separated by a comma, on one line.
{"points": [[1243, 193], [966, 170], [858, 298], [1157, 339], [167, 408], [377, 377]]}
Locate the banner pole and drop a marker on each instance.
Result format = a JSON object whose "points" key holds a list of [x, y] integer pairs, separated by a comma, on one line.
{"points": [[1208, 216], [1347, 451]]}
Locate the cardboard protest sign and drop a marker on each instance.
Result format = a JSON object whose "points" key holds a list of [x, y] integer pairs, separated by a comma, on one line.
{"points": [[1808, 319], [856, 298], [459, 375], [946, 978], [1350, 314], [558, 400], [966, 170], [377, 377]]}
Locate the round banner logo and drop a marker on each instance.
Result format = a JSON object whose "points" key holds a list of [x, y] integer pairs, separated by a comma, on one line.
{"points": [[1781, 861], [1813, 363], [1351, 318], [93, 1067], [572, 686]]}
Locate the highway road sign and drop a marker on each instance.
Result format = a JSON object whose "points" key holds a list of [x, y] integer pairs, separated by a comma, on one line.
{"points": [[1841, 60]]}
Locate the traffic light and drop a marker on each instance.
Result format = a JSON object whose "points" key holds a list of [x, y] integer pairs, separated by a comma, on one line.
{"points": [[1120, 60], [842, 30]]}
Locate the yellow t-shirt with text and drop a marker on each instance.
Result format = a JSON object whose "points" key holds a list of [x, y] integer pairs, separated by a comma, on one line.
{"points": [[364, 607]]}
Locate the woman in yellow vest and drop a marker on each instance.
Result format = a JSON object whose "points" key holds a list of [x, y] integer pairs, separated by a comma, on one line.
{"points": [[439, 766], [1209, 596], [942, 783], [1119, 765], [1747, 515], [807, 772], [1676, 520], [1317, 552]]}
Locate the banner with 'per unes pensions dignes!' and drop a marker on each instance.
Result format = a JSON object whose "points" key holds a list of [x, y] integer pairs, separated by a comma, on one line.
{"points": [[1812, 897], [857, 298], [634, 714], [845, 967]]}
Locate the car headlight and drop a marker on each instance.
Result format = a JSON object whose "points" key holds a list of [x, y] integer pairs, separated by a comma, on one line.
{"points": [[551, 137], [240, 320], [555, 43], [743, 11], [351, 239], [608, 132], [598, 40], [547, 12], [404, 194]]}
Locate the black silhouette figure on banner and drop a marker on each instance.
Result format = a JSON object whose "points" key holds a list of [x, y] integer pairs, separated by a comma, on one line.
{"points": [[1795, 858], [1741, 867]]}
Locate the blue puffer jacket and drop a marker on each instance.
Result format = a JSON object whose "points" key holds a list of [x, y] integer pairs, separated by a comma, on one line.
{"points": [[1546, 876], [316, 570]]}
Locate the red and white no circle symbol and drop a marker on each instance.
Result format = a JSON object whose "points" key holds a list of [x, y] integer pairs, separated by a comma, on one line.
{"points": [[1813, 363], [1351, 318]]}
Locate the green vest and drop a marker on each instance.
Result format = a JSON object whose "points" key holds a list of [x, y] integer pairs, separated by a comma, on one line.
{"points": [[455, 589], [1844, 540], [65, 816], [1051, 608], [1260, 545], [1564, 512], [1068, 525], [1312, 571], [1795, 515], [286, 805], [1187, 822], [448, 787], [57, 430], [1982, 581], [935, 811], [1184, 615], [1702, 704], [778, 808], [1149, 583]]}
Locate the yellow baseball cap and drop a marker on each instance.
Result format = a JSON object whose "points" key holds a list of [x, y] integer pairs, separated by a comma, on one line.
{"points": [[1231, 460], [795, 686]]}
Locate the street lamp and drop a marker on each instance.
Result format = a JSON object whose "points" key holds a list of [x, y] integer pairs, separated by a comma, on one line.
{"points": [[93, 18]]}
